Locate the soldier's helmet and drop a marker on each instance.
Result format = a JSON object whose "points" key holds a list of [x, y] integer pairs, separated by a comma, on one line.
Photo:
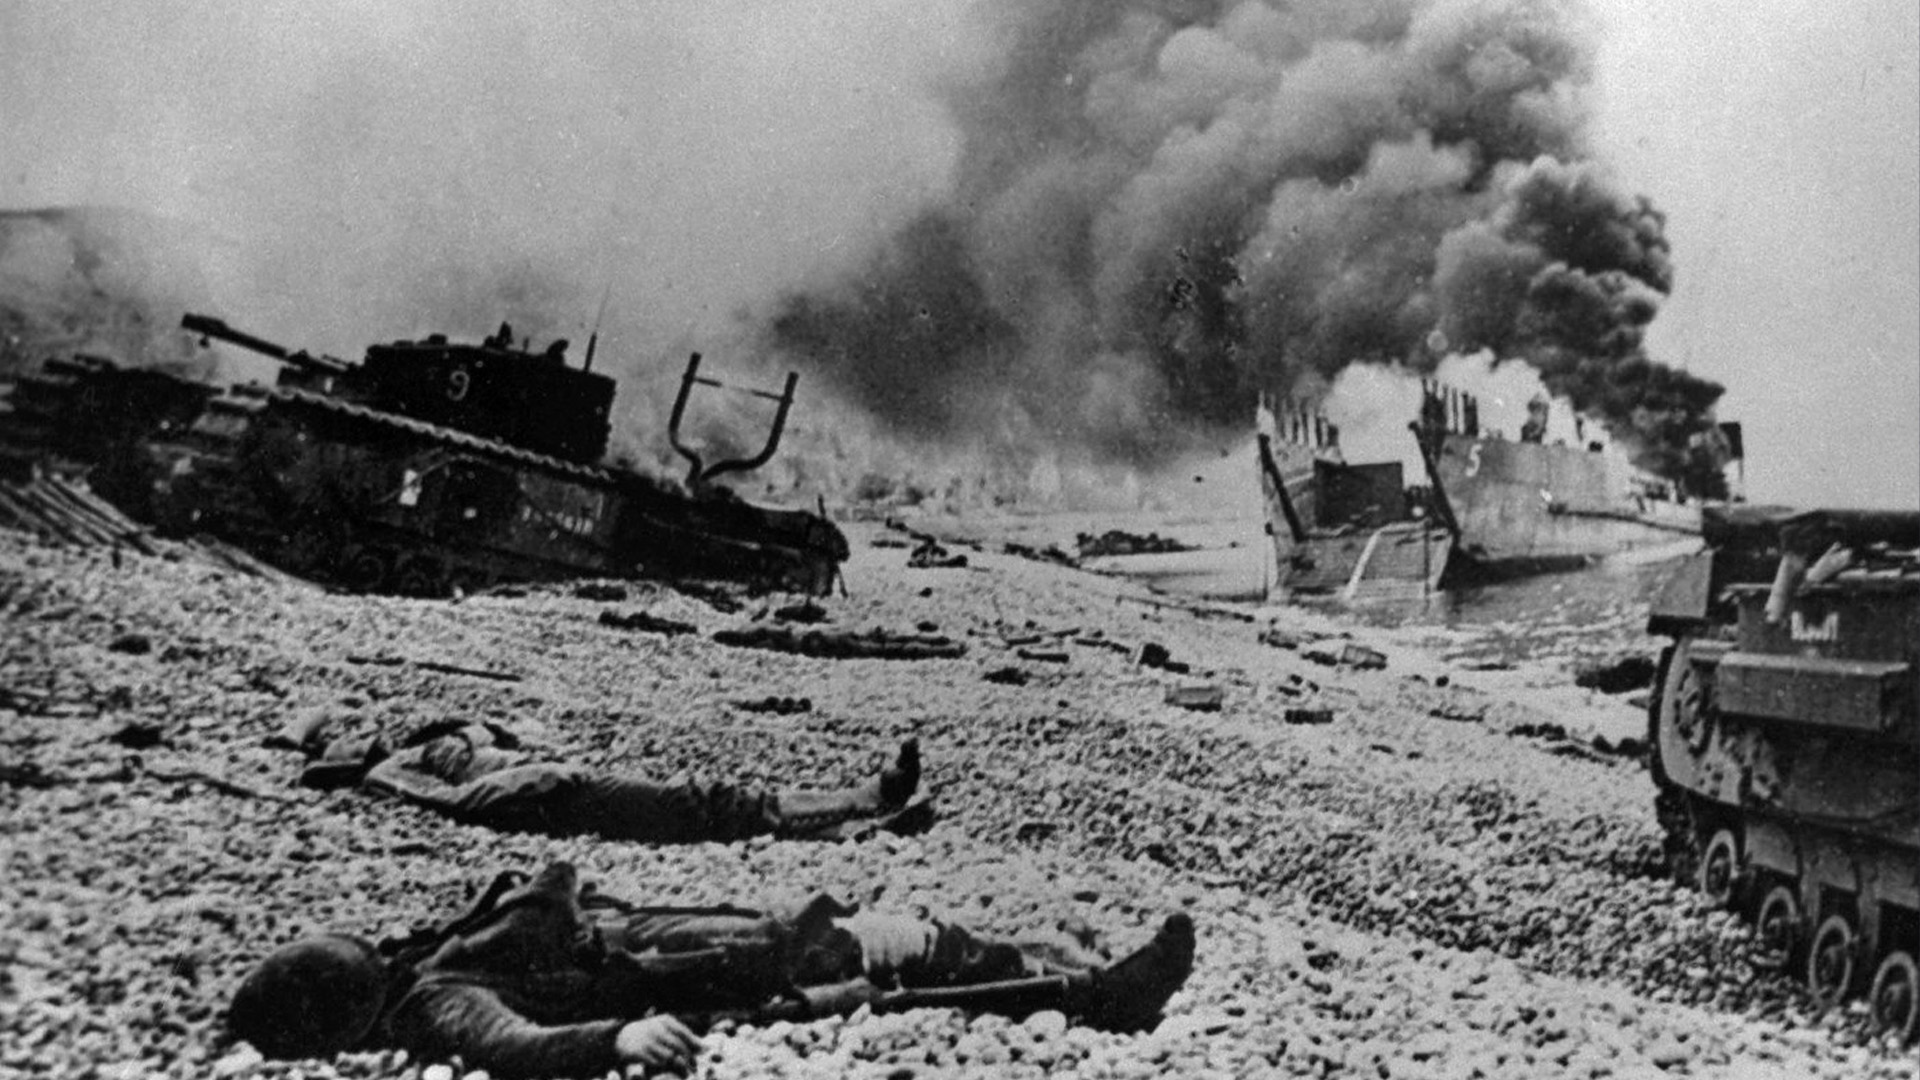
{"points": [[313, 998]]}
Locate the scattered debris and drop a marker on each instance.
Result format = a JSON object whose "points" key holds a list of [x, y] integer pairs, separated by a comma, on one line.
{"points": [[456, 669], [1155, 655], [804, 612], [1117, 542], [717, 597], [130, 769], [1034, 830], [1281, 638], [1044, 656], [1200, 610], [376, 661], [139, 736], [781, 706], [652, 624], [1308, 716], [1007, 676], [1050, 554], [28, 774], [1208, 698], [1362, 658], [67, 512], [131, 644], [1538, 731], [1357, 657], [844, 644], [434, 665], [931, 556], [1621, 676], [1627, 746], [1466, 714]]}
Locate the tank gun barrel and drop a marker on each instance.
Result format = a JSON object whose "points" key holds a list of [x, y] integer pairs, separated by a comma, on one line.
{"points": [[210, 327]]}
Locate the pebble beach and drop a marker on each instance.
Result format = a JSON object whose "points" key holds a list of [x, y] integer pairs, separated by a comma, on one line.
{"points": [[1404, 860]]}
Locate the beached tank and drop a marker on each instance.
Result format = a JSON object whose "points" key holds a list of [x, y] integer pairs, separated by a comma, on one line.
{"points": [[430, 466], [1786, 746]]}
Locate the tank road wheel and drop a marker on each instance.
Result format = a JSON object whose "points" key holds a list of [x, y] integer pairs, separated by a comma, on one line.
{"points": [[1779, 929], [363, 569], [1719, 872], [1895, 997], [422, 577], [1830, 960]]}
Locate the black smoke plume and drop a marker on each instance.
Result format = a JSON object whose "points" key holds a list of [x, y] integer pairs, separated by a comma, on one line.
{"points": [[1163, 208]]}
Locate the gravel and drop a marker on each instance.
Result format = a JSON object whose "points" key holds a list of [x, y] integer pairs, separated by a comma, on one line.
{"points": [[1443, 881]]}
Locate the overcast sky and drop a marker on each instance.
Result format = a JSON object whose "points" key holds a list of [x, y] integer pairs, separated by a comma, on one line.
{"points": [[1782, 138]]}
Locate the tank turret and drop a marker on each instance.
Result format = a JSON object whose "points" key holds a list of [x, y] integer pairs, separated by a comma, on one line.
{"points": [[532, 400]]}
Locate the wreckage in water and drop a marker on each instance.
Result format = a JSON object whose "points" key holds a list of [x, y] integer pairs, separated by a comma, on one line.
{"points": [[432, 466]]}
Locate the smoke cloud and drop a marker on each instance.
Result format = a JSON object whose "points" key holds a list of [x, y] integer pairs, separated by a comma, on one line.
{"points": [[1027, 238], [1162, 208], [369, 171]]}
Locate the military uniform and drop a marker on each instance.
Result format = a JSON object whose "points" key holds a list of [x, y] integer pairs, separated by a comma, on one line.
{"points": [[542, 975], [475, 774]]}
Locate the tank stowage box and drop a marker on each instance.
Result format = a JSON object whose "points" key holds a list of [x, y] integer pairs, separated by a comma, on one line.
{"points": [[1786, 746]]}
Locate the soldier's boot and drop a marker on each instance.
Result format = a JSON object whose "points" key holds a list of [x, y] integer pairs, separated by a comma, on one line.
{"points": [[1130, 995], [800, 813]]}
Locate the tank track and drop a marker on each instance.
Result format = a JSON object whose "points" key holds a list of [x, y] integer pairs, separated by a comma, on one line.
{"points": [[39, 405], [1802, 928], [225, 497]]}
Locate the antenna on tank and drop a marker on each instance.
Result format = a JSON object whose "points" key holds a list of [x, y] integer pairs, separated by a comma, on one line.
{"points": [[600, 316]]}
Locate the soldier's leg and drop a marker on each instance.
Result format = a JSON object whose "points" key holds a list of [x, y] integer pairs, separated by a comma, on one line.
{"points": [[629, 808], [801, 812], [624, 808], [1125, 996]]}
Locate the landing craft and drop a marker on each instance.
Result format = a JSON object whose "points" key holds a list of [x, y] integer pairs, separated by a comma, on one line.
{"points": [[1352, 531], [1520, 506], [429, 467], [1492, 508]]}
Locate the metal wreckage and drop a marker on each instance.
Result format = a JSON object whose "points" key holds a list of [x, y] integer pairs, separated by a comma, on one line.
{"points": [[1786, 744], [429, 467]]}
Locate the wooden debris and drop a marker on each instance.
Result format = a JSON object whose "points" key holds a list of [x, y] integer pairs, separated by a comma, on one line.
{"points": [[652, 624], [844, 645], [1208, 698]]}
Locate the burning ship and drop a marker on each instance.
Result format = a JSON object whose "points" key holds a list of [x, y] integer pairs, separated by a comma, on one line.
{"points": [[1492, 507], [1526, 505]]}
